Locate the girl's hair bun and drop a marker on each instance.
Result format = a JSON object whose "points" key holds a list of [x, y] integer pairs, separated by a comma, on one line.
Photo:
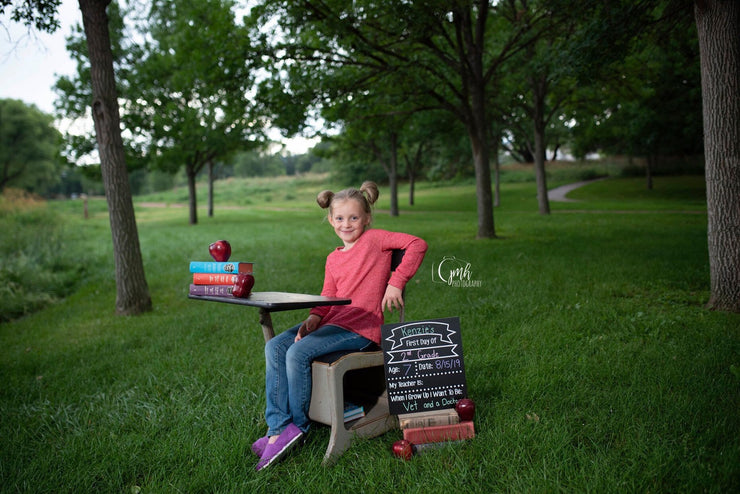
{"points": [[324, 198], [370, 190]]}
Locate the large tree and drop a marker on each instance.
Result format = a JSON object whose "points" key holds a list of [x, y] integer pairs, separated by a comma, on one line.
{"points": [[718, 26], [132, 291], [190, 89], [183, 84], [445, 50]]}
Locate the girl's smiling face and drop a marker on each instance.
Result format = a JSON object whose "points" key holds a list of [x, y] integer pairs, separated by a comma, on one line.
{"points": [[349, 220]]}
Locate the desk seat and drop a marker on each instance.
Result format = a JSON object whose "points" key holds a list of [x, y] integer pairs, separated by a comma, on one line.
{"points": [[356, 377]]}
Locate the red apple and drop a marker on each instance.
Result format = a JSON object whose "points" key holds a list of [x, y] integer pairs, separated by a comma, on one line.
{"points": [[243, 285], [220, 250], [465, 409], [403, 449]]}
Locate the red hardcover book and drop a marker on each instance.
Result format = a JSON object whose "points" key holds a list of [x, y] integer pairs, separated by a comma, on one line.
{"points": [[439, 433], [213, 279]]}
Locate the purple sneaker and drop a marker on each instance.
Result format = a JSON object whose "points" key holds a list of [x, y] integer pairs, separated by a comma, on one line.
{"points": [[258, 447], [273, 452]]}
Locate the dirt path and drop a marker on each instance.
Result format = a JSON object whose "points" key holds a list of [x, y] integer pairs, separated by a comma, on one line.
{"points": [[558, 194]]}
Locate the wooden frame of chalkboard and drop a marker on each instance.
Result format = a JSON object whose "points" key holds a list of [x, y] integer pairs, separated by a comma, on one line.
{"points": [[424, 367]]}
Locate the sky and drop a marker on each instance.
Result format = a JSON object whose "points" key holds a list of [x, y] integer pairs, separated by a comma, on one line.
{"points": [[31, 61]]}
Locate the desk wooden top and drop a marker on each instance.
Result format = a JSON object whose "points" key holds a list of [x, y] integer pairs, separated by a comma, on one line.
{"points": [[277, 301]]}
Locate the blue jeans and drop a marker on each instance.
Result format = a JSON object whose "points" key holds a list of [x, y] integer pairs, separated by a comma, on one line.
{"points": [[288, 372]]}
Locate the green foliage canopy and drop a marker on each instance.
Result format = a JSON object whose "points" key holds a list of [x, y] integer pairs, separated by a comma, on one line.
{"points": [[189, 92], [40, 14], [29, 148]]}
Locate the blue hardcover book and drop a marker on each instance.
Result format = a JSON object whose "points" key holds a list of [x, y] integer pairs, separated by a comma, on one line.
{"points": [[352, 412], [221, 267]]}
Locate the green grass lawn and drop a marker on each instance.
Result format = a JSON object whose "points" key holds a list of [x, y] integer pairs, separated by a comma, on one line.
{"points": [[589, 353]]}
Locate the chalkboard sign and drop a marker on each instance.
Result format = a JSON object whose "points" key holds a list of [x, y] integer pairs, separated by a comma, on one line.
{"points": [[424, 367]]}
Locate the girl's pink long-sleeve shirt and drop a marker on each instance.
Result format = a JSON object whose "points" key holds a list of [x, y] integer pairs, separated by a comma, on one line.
{"points": [[362, 274]]}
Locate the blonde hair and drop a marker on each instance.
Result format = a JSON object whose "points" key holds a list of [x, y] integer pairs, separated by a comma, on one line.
{"points": [[366, 195]]}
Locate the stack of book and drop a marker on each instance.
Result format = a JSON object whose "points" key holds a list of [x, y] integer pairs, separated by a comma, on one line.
{"points": [[352, 412], [216, 279], [430, 429]]}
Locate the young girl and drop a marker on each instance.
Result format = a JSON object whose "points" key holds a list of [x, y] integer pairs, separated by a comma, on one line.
{"points": [[360, 270]]}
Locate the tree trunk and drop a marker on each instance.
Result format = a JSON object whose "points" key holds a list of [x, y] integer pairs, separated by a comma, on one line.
{"points": [[132, 291], [718, 27], [477, 126], [191, 172], [539, 90], [411, 167], [484, 201], [393, 173], [555, 153], [210, 188], [496, 171], [412, 182], [390, 165], [477, 120]]}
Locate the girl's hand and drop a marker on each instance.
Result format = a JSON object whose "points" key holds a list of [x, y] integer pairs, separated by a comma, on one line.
{"points": [[310, 324], [393, 298]]}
